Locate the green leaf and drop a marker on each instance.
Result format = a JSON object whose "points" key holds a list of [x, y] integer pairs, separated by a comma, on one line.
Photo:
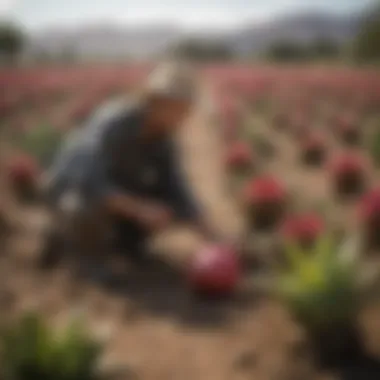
{"points": [[325, 247], [319, 286], [32, 350], [295, 256], [375, 148], [41, 142]]}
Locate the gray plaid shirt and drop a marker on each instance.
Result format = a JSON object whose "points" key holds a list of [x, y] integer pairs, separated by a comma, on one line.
{"points": [[107, 155]]}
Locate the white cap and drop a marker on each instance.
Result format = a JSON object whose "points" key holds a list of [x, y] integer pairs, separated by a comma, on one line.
{"points": [[172, 80]]}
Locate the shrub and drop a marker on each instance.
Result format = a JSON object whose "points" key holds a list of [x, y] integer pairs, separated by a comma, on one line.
{"points": [[41, 142], [375, 148], [321, 288], [32, 350]]}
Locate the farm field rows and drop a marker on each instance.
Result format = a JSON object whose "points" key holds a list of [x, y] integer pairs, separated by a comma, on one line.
{"points": [[279, 155]]}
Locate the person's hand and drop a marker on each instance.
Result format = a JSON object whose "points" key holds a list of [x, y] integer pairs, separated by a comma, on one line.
{"points": [[153, 216], [215, 237], [207, 231]]}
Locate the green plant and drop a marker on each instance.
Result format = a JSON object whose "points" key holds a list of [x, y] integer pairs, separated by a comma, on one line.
{"points": [[326, 288], [31, 350], [375, 148], [41, 142], [320, 285]]}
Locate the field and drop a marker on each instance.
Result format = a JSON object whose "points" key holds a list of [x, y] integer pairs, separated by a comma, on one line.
{"points": [[275, 155]]}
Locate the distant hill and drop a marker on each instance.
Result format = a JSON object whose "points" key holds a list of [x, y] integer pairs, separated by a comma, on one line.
{"points": [[302, 28], [144, 42], [107, 40]]}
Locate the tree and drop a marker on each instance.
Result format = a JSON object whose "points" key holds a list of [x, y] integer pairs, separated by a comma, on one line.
{"points": [[202, 50], [68, 53], [324, 48], [12, 41], [287, 51], [367, 46]]}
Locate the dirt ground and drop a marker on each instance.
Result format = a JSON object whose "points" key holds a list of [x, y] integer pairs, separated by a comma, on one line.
{"points": [[152, 324]]}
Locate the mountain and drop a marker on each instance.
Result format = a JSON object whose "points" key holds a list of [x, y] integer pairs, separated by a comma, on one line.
{"points": [[111, 41], [107, 41], [301, 28]]}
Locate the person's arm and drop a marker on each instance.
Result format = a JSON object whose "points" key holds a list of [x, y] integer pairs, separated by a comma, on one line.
{"points": [[102, 192], [186, 207], [106, 194], [119, 202]]}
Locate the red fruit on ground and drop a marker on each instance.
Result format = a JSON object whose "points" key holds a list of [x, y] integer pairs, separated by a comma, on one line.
{"points": [[264, 190], [265, 202], [348, 131], [214, 270], [369, 207], [22, 169], [347, 164], [313, 148], [369, 216], [313, 140], [239, 155], [349, 174], [303, 229]]}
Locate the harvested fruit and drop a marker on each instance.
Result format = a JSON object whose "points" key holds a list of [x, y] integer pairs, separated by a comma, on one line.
{"points": [[214, 271]]}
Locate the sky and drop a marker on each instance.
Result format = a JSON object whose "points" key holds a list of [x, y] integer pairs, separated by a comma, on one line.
{"points": [[193, 14]]}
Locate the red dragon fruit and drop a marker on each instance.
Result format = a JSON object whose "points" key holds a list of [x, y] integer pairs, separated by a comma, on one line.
{"points": [[313, 149], [303, 229], [239, 157], [347, 131], [348, 172], [369, 215], [214, 271], [23, 172], [265, 199]]}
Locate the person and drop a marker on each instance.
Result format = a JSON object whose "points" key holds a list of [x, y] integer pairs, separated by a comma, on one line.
{"points": [[119, 179]]}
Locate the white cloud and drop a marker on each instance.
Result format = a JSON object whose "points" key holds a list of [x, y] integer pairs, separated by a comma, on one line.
{"points": [[6, 6], [192, 18]]}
